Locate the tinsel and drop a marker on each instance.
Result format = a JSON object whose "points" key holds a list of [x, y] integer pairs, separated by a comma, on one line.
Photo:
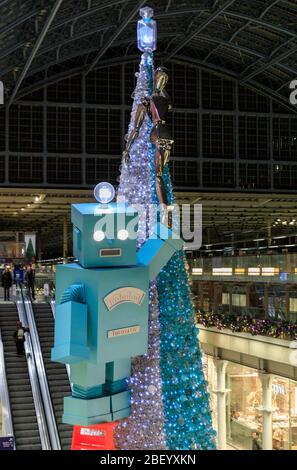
{"points": [[245, 324]]}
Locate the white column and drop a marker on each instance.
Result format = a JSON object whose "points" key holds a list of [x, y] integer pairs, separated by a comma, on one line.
{"points": [[266, 381], [221, 393]]}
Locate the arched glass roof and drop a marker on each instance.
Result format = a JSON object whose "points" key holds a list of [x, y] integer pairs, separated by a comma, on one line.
{"points": [[251, 41]]}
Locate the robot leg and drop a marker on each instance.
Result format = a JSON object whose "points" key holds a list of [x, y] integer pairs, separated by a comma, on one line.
{"points": [[88, 404], [117, 373], [161, 193]]}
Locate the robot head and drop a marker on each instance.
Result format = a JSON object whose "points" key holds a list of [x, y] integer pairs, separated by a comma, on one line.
{"points": [[160, 79], [104, 235]]}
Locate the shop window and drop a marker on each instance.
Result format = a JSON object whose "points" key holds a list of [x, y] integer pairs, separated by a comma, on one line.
{"points": [[244, 401], [281, 414]]}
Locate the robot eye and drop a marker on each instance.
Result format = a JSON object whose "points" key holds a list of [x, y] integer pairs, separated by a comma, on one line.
{"points": [[99, 236], [123, 234]]}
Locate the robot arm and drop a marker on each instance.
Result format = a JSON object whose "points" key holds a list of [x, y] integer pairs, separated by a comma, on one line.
{"points": [[156, 252], [71, 327], [140, 115]]}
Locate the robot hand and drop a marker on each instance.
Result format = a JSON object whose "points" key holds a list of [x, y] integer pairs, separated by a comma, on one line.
{"points": [[126, 156]]}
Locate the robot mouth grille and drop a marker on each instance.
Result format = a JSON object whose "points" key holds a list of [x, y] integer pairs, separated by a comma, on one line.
{"points": [[110, 252]]}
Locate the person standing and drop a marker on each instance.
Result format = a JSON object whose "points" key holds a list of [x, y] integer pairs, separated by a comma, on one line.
{"points": [[6, 283], [19, 338], [255, 441], [30, 279]]}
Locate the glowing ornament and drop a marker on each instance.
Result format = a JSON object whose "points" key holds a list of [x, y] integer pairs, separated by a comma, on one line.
{"points": [[104, 193]]}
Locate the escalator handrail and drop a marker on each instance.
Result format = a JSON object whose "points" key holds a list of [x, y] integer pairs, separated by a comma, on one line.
{"points": [[4, 395], [48, 406], [37, 398], [53, 309]]}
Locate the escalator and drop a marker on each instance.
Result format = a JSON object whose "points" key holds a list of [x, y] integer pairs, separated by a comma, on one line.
{"points": [[25, 425], [57, 378]]}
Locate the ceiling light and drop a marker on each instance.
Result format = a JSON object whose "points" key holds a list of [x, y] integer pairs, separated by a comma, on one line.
{"points": [[22, 209]]}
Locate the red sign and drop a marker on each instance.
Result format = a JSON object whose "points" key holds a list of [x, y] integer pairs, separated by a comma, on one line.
{"points": [[96, 437]]}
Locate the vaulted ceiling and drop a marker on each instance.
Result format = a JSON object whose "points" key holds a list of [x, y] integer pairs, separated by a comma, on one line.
{"points": [[252, 41]]}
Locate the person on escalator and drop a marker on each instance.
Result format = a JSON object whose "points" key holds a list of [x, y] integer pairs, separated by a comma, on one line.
{"points": [[30, 279], [19, 338], [6, 283]]}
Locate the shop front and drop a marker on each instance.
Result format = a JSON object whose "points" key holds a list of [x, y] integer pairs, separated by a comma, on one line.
{"points": [[247, 415]]}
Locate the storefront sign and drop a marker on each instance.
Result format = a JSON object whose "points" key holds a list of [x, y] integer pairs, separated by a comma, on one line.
{"points": [[125, 294], [7, 443], [130, 330]]}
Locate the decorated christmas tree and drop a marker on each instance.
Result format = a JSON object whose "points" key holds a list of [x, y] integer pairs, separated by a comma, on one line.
{"points": [[170, 402]]}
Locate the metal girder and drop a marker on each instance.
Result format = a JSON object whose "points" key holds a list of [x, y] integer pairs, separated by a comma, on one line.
{"points": [[263, 13], [272, 62], [87, 12], [37, 44], [220, 43], [269, 6], [18, 21], [260, 22], [200, 28], [116, 34]]}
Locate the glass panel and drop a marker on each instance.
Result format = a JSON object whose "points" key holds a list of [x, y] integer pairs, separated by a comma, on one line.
{"points": [[245, 398], [280, 415], [293, 415]]}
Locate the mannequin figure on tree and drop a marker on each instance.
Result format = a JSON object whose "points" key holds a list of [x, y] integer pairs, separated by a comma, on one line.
{"points": [[156, 107]]}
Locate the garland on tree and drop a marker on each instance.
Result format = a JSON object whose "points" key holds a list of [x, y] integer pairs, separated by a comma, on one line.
{"points": [[245, 324]]}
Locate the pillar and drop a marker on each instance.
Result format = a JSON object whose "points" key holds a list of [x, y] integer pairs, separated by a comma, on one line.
{"points": [[266, 381], [221, 393], [65, 239]]}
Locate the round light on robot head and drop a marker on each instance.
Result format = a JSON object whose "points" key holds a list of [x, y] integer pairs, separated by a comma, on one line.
{"points": [[98, 236], [104, 193], [123, 234]]}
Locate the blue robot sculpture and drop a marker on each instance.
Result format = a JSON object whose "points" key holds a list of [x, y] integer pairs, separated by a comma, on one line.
{"points": [[102, 306]]}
